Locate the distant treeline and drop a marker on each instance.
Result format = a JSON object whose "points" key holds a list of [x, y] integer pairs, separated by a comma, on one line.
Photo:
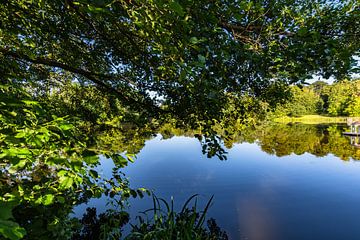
{"points": [[338, 99]]}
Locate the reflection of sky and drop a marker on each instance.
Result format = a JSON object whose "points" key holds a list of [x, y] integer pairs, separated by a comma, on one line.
{"points": [[256, 195]]}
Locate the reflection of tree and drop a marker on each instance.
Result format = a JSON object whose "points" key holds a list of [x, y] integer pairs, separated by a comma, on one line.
{"points": [[280, 139], [319, 140]]}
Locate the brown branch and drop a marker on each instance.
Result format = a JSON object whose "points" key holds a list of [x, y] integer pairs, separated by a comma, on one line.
{"points": [[93, 77], [233, 27], [53, 63]]}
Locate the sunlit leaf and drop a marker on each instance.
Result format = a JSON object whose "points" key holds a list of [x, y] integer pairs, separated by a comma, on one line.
{"points": [[65, 182], [48, 199]]}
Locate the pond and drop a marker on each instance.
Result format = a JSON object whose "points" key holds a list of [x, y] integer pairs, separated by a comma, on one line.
{"points": [[278, 182]]}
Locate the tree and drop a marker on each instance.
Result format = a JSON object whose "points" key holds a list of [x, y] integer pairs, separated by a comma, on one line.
{"points": [[302, 101], [343, 98], [183, 55], [162, 58], [353, 107]]}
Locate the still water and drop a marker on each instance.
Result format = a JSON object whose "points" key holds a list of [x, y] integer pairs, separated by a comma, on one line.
{"points": [[301, 183]]}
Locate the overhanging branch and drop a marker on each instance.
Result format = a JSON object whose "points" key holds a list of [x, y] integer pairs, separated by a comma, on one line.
{"points": [[92, 76]]}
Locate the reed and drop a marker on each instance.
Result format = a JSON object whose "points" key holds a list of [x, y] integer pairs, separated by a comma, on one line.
{"points": [[163, 222]]}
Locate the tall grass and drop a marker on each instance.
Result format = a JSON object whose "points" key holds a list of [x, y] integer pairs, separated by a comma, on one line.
{"points": [[161, 222]]}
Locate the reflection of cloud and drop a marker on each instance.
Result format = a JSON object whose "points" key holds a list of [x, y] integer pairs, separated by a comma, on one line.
{"points": [[255, 219], [205, 177]]}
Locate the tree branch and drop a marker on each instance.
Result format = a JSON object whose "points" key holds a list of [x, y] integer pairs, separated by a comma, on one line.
{"points": [[238, 28], [93, 77]]}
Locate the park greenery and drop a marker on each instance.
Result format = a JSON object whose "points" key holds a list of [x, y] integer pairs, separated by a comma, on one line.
{"points": [[335, 100], [84, 79]]}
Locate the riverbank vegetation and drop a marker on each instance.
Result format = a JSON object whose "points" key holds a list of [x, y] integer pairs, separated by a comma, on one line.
{"points": [[315, 119], [321, 103], [84, 79]]}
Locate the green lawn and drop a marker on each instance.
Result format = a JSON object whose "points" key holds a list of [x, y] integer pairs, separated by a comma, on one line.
{"points": [[314, 119]]}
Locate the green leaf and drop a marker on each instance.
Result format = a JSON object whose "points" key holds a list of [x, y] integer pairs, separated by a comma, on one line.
{"points": [[140, 193], [28, 102], [133, 193], [20, 134], [119, 160], [66, 182], [176, 7], [91, 158], [131, 157], [39, 200], [48, 199], [21, 164], [94, 173], [66, 127], [194, 40], [11, 230], [14, 114], [96, 9], [62, 173], [6, 210], [201, 58]]}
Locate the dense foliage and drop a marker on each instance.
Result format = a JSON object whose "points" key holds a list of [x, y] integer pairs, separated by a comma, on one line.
{"points": [[84, 79], [337, 99], [48, 166], [188, 56]]}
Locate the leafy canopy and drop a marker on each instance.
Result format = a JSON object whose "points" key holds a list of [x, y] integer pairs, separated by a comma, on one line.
{"points": [[185, 56], [194, 60]]}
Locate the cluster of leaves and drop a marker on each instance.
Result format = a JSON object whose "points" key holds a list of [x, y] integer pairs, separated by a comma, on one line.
{"points": [[183, 55], [338, 99], [342, 99], [32, 146], [301, 101], [47, 167]]}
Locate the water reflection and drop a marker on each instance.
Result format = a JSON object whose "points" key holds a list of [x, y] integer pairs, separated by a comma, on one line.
{"points": [[279, 182], [355, 141], [319, 140], [256, 218]]}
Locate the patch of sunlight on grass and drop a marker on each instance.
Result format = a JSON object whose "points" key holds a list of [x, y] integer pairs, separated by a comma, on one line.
{"points": [[315, 119]]}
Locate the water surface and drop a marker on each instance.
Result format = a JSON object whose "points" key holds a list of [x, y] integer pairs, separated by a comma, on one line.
{"points": [[288, 182]]}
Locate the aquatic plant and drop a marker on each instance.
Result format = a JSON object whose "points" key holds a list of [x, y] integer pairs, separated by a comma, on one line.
{"points": [[165, 223]]}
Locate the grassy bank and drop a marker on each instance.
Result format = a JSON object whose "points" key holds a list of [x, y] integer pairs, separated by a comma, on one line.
{"points": [[314, 119]]}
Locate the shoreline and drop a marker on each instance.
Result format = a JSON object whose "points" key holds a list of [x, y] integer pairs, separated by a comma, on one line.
{"points": [[315, 119]]}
